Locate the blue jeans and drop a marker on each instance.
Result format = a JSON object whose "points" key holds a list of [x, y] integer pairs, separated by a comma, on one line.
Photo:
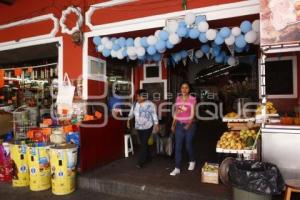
{"points": [[184, 135]]}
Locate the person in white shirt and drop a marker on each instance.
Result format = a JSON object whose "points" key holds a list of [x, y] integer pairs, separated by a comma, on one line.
{"points": [[144, 113]]}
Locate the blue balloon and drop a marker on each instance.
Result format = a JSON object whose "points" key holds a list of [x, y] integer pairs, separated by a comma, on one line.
{"points": [[182, 24], [238, 49], [225, 59], [203, 38], [144, 42], [151, 50], [225, 32], [163, 35], [200, 18], [216, 50], [160, 45], [157, 57], [129, 42], [122, 41], [219, 40], [246, 26], [176, 57], [116, 47], [219, 59], [182, 31], [205, 48], [124, 53], [106, 52], [240, 41], [183, 54], [169, 45], [194, 33], [97, 40], [149, 58], [142, 57]]}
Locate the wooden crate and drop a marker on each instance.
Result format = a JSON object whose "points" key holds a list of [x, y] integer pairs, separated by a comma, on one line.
{"points": [[210, 177]]}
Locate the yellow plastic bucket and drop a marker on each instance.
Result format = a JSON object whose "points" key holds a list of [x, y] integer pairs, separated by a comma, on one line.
{"points": [[39, 167], [20, 176], [63, 160]]}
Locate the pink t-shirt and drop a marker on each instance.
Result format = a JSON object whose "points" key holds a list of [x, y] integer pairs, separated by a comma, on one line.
{"points": [[184, 109]]}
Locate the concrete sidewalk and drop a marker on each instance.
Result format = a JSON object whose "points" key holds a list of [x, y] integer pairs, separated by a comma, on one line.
{"points": [[7, 192]]}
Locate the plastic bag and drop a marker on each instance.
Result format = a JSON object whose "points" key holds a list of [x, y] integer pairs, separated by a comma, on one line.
{"points": [[164, 145], [257, 177]]}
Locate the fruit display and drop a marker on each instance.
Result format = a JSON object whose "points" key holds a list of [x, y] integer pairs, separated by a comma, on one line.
{"points": [[270, 109], [237, 140], [231, 115], [231, 140]]}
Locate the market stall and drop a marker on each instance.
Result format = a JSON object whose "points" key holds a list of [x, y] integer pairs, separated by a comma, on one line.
{"points": [[280, 136]]}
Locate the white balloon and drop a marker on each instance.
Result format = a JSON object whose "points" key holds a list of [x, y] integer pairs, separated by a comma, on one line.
{"points": [[108, 44], [190, 18], [199, 54], [100, 48], [137, 42], [131, 51], [230, 40], [211, 34], [203, 26], [140, 51], [236, 31], [251, 37], [256, 26], [120, 54], [231, 61], [104, 40], [113, 53], [151, 40], [157, 33], [162, 50], [174, 38], [172, 26], [134, 57]]}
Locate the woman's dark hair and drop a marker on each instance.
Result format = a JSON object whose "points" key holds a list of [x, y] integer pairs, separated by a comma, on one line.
{"points": [[185, 83], [142, 92]]}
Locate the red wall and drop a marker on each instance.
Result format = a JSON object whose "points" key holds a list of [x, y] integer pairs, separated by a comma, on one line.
{"points": [[24, 9], [144, 8]]}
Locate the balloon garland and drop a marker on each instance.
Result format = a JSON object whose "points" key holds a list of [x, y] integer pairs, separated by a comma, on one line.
{"points": [[153, 47]]}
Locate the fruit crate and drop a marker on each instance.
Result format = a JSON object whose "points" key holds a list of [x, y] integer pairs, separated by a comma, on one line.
{"points": [[210, 173]]}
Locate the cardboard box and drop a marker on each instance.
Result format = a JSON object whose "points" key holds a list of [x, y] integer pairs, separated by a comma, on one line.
{"points": [[210, 176]]}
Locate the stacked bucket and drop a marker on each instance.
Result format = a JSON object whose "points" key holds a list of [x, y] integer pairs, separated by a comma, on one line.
{"points": [[39, 166]]}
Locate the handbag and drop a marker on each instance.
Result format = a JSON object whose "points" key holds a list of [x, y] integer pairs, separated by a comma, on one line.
{"points": [[65, 96]]}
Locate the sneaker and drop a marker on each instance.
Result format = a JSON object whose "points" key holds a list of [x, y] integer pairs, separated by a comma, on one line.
{"points": [[175, 172], [192, 166]]}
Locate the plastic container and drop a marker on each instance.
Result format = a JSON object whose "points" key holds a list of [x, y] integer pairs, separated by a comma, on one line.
{"points": [[63, 160], [20, 172], [39, 166]]}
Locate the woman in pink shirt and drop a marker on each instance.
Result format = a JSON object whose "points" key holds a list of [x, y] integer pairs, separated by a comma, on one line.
{"points": [[184, 127]]}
